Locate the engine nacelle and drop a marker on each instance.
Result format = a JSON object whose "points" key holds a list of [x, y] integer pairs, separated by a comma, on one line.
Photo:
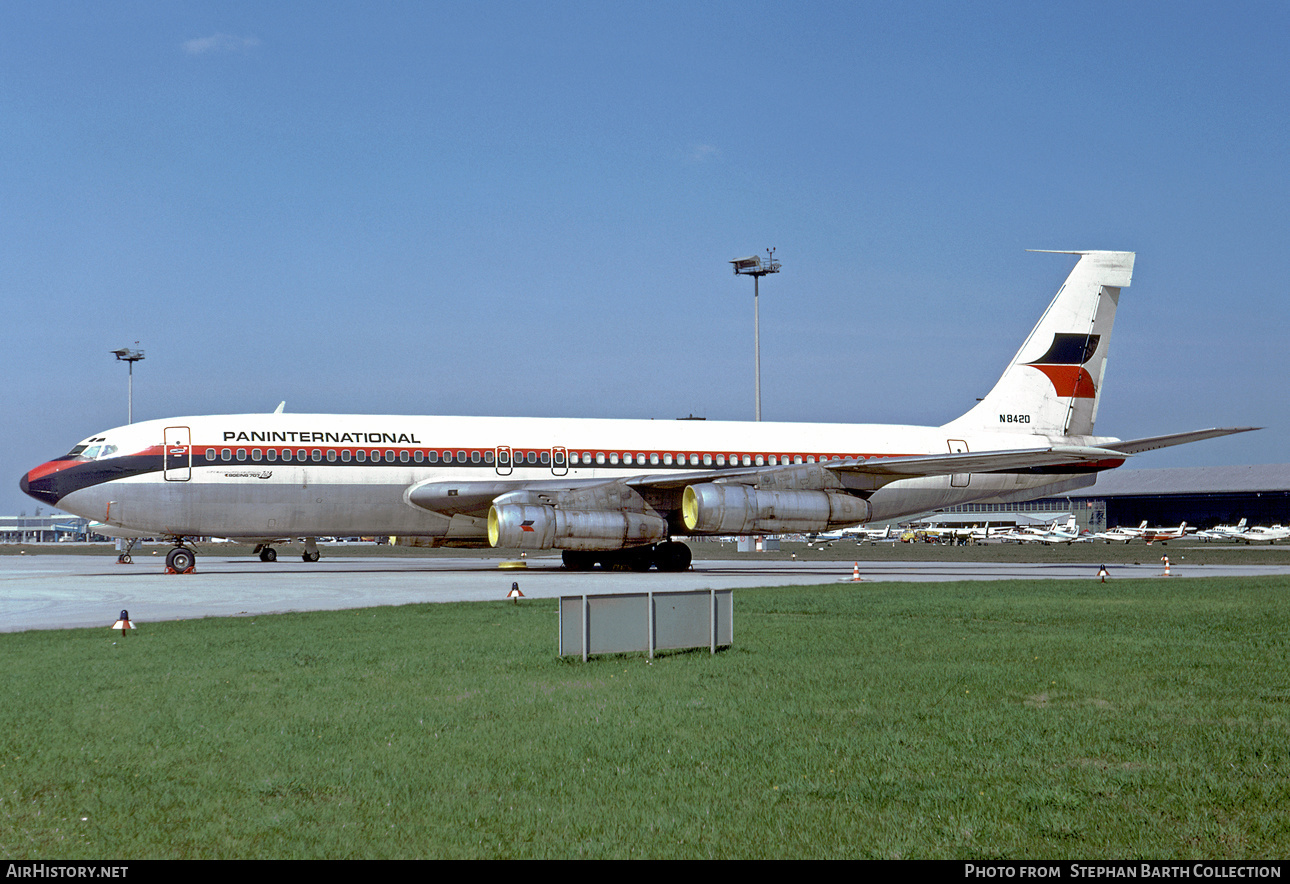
{"points": [[533, 526], [713, 508]]}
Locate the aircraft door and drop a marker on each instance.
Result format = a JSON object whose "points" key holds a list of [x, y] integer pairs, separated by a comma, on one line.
{"points": [[959, 480], [559, 461], [177, 454]]}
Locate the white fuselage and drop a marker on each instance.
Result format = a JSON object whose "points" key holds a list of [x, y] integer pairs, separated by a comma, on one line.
{"points": [[293, 475]]}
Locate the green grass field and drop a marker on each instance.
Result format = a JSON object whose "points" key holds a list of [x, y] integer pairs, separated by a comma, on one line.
{"points": [[1043, 719]]}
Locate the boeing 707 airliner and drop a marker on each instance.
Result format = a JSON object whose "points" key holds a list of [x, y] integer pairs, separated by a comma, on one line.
{"points": [[612, 492]]}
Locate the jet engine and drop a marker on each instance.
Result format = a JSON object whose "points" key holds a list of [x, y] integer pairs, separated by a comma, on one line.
{"points": [[713, 508], [534, 526]]}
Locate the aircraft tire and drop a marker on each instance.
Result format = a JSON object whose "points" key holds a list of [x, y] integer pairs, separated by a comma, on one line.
{"points": [[311, 556], [268, 554], [180, 560], [578, 560], [672, 556], [641, 559]]}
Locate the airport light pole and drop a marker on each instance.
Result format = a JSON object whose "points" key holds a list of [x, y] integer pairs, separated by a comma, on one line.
{"points": [[753, 266], [129, 357]]}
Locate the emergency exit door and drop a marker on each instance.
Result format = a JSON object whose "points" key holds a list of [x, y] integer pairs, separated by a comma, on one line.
{"points": [[959, 480]]}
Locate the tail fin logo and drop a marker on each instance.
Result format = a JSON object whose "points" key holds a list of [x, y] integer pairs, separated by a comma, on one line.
{"points": [[1064, 365]]}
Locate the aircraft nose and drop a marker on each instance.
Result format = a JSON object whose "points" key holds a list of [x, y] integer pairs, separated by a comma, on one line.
{"points": [[41, 483]]}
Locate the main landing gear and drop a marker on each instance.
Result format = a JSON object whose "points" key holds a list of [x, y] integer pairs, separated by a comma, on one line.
{"points": [[669, 556], [269, 554]]}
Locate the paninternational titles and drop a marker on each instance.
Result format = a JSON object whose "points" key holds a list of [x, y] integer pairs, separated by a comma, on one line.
{"points": [[1209, 869]]}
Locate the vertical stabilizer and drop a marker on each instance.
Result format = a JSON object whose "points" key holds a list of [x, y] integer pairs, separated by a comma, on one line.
{"points": [[1053, 384]]}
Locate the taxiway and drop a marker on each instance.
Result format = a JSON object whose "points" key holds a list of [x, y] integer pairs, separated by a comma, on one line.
{"points": [[65, 591]]}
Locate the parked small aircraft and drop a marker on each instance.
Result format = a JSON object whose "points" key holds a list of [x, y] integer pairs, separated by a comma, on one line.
{"points": [[1259, 534], [1164, 535], [1121, 535]]}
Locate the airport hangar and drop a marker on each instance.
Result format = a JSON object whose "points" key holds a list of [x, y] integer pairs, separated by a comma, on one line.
{"points": [[1200, 496]]}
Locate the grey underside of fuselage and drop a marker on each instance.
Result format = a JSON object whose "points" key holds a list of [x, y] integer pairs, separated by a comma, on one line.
{"points": [[250, 508]]}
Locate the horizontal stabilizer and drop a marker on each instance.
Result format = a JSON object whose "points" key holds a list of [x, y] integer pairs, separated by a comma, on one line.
{"points": [[1136, 446]]}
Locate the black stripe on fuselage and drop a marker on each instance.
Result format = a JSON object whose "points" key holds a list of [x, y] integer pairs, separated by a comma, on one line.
{"points": [[54, 486]]}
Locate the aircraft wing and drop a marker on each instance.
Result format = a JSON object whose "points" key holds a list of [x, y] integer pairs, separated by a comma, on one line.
{"points": [[855, 474], [872, 473]]}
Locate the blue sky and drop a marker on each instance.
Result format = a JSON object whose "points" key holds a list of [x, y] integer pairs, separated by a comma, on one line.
{"points": [[528, 209]]}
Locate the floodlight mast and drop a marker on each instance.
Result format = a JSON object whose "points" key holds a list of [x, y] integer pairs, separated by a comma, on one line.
{"points": [[129, 357], [753, 266]]}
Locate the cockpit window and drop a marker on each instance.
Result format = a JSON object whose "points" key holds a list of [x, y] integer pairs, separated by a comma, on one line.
{"points": [[93, 452]]}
